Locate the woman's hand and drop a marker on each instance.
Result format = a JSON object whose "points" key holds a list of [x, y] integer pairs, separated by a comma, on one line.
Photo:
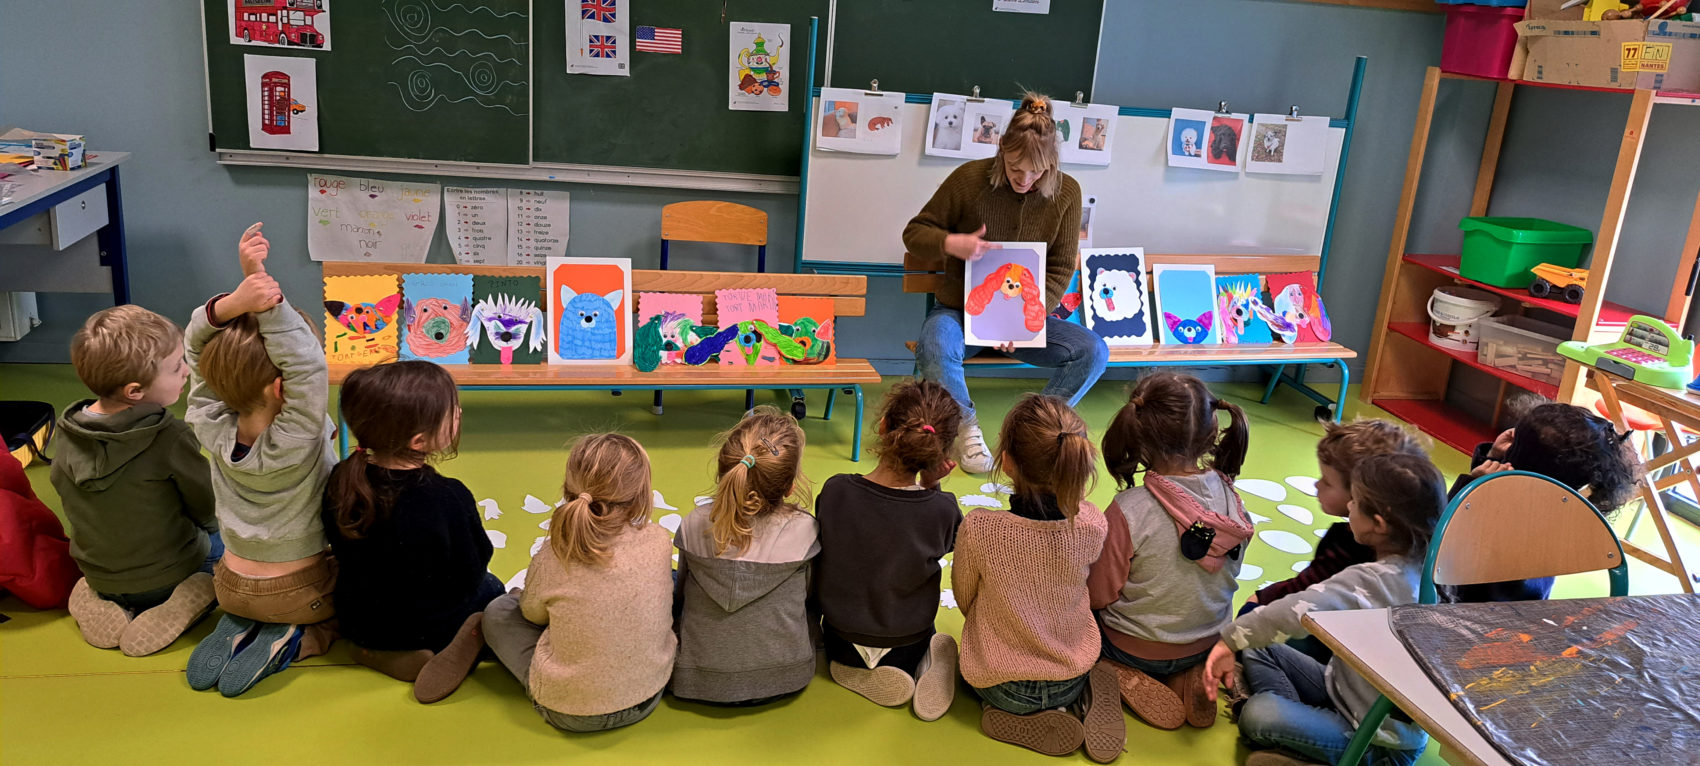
{"points": [[968, 247], [1006, 347], [1218, 667]]}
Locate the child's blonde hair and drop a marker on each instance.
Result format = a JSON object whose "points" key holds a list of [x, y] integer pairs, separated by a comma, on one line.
{"points": [[1052, 452], [607, 489], [760, 469], [122, 345], [1344, 445], [236, 366]]}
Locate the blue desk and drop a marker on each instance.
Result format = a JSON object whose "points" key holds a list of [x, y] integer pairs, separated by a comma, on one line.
{"points": [[63, 231]]}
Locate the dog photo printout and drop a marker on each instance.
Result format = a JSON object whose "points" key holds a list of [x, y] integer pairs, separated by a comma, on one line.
{"points": [[1114, 296], [1287, 145], [1084, 133], [966, 128], [859, 121], [1202, 139], [1005, 296]]}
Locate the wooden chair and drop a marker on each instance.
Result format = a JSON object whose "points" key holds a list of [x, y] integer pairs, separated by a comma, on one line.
{"points": [[726, 223], [1488, 533]]}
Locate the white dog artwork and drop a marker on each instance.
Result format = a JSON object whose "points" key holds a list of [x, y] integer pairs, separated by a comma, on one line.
{"points": [[1112, 284], [1116, 295], [947, 126]]}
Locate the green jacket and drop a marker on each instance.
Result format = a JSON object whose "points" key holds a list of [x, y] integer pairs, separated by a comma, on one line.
{"points": [[138, 496]]}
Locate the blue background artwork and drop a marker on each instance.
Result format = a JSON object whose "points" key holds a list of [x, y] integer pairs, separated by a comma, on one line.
{"points": [[1121, 315], [1200, 132], [437, 307], [588, 325], [1233, 296], [1188, 294]]}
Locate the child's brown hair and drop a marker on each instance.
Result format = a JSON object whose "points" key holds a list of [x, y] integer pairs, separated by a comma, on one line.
{"points": [[1344, 445], [1173, 416], [236, 365], [1406, 491], [122, 345], [607, 489], [921, 423], [1051, 451], [386, 406], [760, 469]]}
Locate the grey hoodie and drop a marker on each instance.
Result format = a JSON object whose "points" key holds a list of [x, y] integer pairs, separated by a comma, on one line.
{"points": [[269, 501], [137, 494], [744, 623]]}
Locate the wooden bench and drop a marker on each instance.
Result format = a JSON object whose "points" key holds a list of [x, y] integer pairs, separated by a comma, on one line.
{"points": [[849, 375], [924, 275]]}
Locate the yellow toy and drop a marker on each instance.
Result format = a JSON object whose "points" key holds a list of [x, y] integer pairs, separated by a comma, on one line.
{"points": [[1568, 283]]}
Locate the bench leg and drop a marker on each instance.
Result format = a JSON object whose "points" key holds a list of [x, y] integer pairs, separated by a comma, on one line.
{"points": [[831, 394], [1340, 399], [1269, 391], [341, 436], [856, 441], [656, 408], [749, 399]]}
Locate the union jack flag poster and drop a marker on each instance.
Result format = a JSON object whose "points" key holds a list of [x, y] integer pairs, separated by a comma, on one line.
{"points": [[599, 10], [599, 37], [604, 47]]}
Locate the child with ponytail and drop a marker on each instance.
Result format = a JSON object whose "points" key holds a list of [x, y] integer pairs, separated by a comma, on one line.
{"points": [[1163, 585], [1029, 645], [882, 538], [409, 541], [744, 572], [591, 635]]}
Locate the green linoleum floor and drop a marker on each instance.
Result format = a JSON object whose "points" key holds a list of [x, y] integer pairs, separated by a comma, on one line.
{"points": [[62, 701]]}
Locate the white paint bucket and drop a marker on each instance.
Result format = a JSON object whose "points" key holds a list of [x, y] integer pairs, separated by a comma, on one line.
{"points": [[1452, 313]]}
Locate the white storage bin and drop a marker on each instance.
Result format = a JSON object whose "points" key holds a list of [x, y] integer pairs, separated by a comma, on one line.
{"points": [[1522, 345]]}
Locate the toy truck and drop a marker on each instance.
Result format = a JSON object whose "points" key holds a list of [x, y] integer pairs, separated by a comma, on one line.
{"points": [[1558, 282]]}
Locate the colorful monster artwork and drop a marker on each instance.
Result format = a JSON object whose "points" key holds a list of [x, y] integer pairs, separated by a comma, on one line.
{"points": [[436, 310], [506, 326], [1186, 296], [360, 314], [1190, 331], [1238, 300], [1293, 298], [590, 310]]}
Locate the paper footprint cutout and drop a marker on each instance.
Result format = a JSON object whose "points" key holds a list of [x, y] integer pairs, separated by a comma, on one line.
{"points": [[544, 525], [947, 598], [497, 539], [671, 522], [517, 581], [534, 505], [537, 545], [992, 488], [661, 502], [491, 511], [702, 500], [979, 501]]}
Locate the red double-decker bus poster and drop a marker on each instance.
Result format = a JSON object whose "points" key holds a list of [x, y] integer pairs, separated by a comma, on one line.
{"points": [[281, 23]]}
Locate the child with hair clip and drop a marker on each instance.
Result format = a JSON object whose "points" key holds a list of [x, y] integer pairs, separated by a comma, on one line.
{"points": [[1568, 444], [1298, 703], [744, 622], [1164, 583], [882, 538], [591, 636], [410, 541], [1029, 646]]}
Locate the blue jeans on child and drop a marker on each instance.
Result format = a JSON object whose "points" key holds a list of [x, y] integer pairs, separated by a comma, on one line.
{"points": [[1289, 707], [148, 599], [1027, 697], [1158, 669], [1077, 354]]}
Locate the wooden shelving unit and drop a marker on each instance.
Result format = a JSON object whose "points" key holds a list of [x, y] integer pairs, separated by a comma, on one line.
{"points": [[1407, 374]]}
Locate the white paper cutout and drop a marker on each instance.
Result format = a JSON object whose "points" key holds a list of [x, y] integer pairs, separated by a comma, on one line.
{"points": [[476, 221], [992, 488], [362, 219], [544, 524], [859, 121], [1265, 489], [533, 505], [657, 500], [518, 580], [671, 522], [498, 539], [1284, 541], [1297, 513], [599, 37], [947, 598], [537, 226], [283, 102], [1320, 532], [759, 73], [979, 501], [537, 545], [491, 511], [1022, 6], [1300, 566], [1286, 145], [1249, 572], [1303, 484], [701, 500], [1256, 518]]}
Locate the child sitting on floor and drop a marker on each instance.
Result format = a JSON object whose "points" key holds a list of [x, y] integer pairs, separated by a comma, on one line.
{"points": [[882, 539], [411, 552], [1029, 646], [744, 623], [136, 490], [1164, 583], [591, 636], [1296, 702], [258, 386]]}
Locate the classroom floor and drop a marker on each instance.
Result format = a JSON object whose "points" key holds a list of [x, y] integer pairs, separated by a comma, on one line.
{"points": [[64, 702]]}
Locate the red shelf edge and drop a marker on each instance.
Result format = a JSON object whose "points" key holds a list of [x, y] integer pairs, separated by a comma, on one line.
{"points": [[1440, 420], [1611, 314], [1418, 331], [1556, 86]]}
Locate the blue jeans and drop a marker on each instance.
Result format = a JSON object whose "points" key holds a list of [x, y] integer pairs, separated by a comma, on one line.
{"points": [[1289, 707], [1077, 354], [1026, 697], [148, 599], [1158, 669]]}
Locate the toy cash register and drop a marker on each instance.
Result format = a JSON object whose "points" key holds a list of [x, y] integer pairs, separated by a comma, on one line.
{"points": [[1649, 352]]}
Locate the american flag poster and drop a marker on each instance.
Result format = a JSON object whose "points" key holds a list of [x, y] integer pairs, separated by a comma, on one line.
{"points": [[599, 37], [660, 40]]}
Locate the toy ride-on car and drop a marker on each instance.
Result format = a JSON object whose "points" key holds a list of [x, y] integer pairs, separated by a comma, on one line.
{"points": [[1558, 282]]}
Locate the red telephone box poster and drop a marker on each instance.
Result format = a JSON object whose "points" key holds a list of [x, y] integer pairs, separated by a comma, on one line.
{"points": [[283, 102]]}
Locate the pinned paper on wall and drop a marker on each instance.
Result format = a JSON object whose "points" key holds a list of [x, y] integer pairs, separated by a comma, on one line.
{"points": [[436, 316], [590, 309], [1298, 313], [297, 24], [361, 219], [859, 121], [283, 102], [537, 225], [1085, 133], [1022, 6], [508, 325], [666, 326], [811, 322], [1186, 303], [360, 319], [477, 224], [1287, 145], [1226, 142], [599, 37], [760, 67], [1114, 298], [957, 125], [744, 314], [1239, 304], [1005, 291], [1202, 139]]}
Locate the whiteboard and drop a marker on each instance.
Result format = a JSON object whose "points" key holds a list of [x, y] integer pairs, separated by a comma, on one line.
{"points": [[857, 204]]}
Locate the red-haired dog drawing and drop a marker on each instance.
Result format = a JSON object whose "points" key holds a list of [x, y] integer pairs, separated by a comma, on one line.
{"points": [[1011, 280]]}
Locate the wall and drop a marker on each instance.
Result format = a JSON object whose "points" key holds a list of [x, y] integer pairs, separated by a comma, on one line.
{"points": [[141, 90]]}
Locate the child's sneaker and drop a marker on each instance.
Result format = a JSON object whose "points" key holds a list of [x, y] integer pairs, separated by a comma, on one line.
{"points": [[1189, 685], [1149, 699], [271, 650], [1106, 730], [214, 653], [884, 685], [1052, 732], [158, 627], [102, 622], [935, 684], [443, 674], [976, 457]]}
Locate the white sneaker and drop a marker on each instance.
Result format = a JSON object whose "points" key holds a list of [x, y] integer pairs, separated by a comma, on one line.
{"points": [[976, 457]]}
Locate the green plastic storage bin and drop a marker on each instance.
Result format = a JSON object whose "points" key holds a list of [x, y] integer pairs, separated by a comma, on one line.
{"points": [[1500, 251]]}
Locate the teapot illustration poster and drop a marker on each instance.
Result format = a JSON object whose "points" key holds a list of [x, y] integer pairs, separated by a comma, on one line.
{"points": [[760, 68]]}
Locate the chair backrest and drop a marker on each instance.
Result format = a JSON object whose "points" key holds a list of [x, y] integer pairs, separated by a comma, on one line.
{"points": [[926, 275], [1517, 525], [711, 221]]}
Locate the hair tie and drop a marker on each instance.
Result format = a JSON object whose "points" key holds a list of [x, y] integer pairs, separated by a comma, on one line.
{"points": [[359, 450], [928, 428], [1064, 435], [749, 461], [585, 496]]}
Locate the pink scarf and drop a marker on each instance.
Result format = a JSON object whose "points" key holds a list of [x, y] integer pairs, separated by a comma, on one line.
{"points": [[1185, 509]]}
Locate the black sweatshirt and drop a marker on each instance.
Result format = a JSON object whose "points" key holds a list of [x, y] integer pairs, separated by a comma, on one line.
{"points": [[878, 571], [415, 575]]}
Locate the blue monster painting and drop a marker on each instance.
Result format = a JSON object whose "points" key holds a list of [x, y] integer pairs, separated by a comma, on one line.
{"points": [[589, 325], [1189, 331]]}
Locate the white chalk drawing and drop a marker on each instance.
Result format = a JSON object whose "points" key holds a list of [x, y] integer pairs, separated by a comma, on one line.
{"points": [[443, 56]]}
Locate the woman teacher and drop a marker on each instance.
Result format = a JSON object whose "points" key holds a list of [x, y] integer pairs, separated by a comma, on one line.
{"points": [[1019, 195]]}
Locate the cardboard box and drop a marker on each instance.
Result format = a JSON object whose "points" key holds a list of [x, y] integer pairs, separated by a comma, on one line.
{"points": [[1670, 57], [1550, 10], [1585, 53], [58, 152]]}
